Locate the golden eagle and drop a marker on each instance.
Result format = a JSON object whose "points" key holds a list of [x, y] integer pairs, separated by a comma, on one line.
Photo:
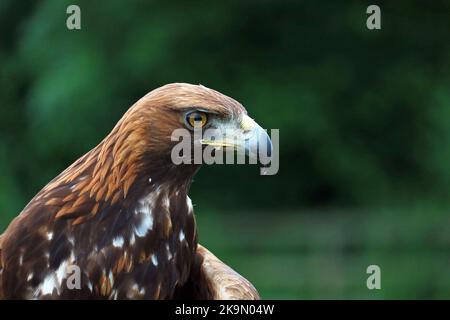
{"points": [[122, 213]]}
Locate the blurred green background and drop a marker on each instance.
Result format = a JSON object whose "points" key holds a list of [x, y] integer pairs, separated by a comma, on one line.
{"points": [[364, 119]]}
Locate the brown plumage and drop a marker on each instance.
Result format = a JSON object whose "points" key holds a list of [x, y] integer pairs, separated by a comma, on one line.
{"points": [[121, 214]]}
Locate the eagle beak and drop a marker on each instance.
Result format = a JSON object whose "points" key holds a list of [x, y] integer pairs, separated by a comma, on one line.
{"points": [[247, 138], [255, 140]]}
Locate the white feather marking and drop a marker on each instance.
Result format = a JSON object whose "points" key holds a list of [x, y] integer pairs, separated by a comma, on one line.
{"points": [[72, 257], [118, 242], [169, 254], [61, 272], [154, 260], [49, 235], [111, 278], [145, 225], [181, 235], [49, 284], [144, 210], [189, 205], [53, 280]]}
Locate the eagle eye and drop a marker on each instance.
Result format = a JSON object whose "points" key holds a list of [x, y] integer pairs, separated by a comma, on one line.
{"points": [[196, 119]]}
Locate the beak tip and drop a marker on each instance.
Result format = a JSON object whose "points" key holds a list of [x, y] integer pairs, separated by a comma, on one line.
{"points": [[260, 145]]}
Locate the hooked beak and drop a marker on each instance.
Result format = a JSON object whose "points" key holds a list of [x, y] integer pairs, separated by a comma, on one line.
{"points": [[248, 138], [257, 143]]}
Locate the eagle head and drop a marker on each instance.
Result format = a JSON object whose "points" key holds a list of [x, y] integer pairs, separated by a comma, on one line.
{"points": [[150, 125]]}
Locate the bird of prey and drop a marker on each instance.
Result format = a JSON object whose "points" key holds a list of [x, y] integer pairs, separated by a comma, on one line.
{"points": [[122, 215]]}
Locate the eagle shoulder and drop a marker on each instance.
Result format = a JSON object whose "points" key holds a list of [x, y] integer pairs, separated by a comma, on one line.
{"points": [[211, 279]]}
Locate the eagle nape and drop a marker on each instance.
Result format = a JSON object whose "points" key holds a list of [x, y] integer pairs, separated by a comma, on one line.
{"points": [[118, 223]]}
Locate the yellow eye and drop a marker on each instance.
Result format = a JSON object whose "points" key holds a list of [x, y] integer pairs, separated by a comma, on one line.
{"points": [[196, 119]]}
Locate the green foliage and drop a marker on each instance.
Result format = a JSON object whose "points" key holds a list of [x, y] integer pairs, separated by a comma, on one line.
{"points": [[303, 255]]}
